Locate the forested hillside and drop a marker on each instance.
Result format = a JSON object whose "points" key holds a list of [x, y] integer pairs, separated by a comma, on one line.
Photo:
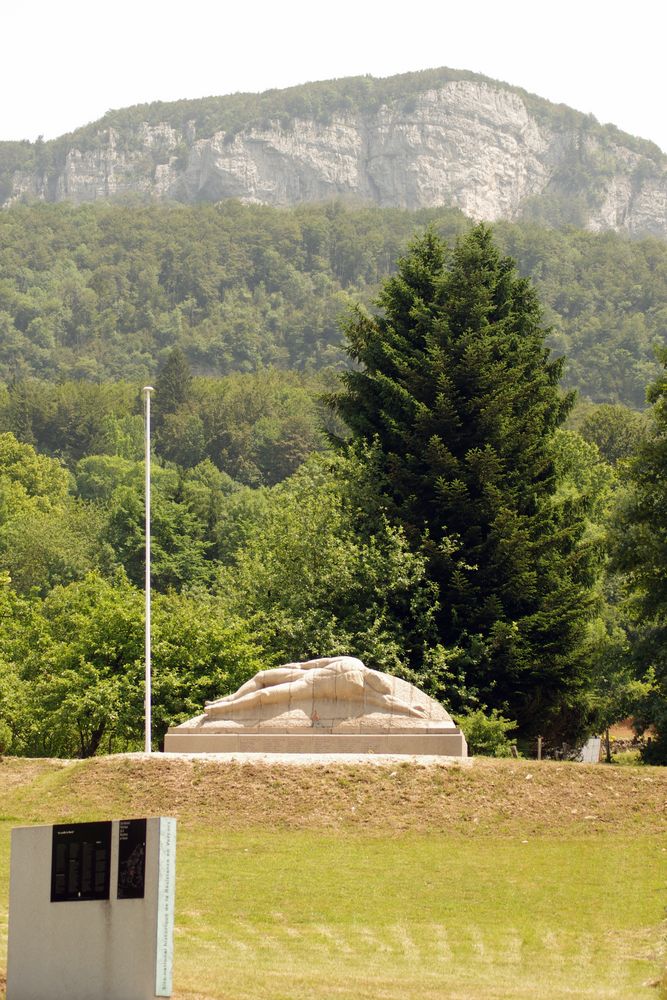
{"points": [[106, 292]]}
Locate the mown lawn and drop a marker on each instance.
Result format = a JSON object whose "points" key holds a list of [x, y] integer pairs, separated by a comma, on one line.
{"points": [[275, 910], [266, 915]]}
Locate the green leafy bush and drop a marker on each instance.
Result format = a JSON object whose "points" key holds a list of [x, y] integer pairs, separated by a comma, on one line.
{"points": [[487, 735]]}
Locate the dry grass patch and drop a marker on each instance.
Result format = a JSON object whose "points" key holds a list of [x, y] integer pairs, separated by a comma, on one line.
{"points": [[506, 798]]}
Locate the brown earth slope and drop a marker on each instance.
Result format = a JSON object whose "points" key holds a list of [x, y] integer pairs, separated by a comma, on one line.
{"points": [[503, 797]]}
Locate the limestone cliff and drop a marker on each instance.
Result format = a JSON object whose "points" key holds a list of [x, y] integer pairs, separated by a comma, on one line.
{"points": [[482, 146]]}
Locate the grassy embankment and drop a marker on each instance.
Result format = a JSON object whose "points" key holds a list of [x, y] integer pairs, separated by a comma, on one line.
{"points": [[503, 879]]}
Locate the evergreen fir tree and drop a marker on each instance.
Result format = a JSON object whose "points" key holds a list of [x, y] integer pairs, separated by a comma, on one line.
{"points": [[457, 390], [173, 388], [19, 415], [172, 414]]}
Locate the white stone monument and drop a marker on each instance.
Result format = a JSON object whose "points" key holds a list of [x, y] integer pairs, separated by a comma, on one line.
{"points": [[91, 911], [328, 705]]}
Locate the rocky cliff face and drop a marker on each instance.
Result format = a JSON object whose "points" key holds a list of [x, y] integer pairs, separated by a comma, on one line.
{"points": [[472, 145]]}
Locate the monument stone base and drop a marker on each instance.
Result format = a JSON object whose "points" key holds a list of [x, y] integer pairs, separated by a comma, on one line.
{"points": [[448, 744]]}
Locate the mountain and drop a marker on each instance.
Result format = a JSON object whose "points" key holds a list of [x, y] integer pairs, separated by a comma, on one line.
{"points": [[419, 140]]}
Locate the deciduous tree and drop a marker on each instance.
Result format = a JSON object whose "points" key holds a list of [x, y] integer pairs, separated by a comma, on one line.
{"points": [[640, 552]]}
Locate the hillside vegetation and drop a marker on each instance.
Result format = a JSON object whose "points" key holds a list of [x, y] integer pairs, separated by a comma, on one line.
{"points": [[105, 292]]}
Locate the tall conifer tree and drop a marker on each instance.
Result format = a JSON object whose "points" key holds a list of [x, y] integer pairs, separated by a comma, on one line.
{"points": [[457, 390], [173, 385]]}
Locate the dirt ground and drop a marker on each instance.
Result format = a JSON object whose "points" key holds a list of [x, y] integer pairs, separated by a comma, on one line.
{"points": [[622, 730], [503, 797]]}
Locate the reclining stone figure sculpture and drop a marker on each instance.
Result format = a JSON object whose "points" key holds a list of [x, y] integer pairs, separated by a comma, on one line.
{"points": [[336, 678], [327, 705]]}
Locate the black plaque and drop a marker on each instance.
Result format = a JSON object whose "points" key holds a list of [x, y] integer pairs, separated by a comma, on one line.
{"points": [[80, 862], [131, 858]]}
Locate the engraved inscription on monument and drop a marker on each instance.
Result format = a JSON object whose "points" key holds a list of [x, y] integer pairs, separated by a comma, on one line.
{"points": [[80, 862], [131, 858]]}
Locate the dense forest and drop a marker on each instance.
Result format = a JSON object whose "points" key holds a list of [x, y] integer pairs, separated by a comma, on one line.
{"points": [[106, 292], [408, 480]]}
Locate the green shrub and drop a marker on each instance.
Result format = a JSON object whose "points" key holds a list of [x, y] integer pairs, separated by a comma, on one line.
{"points": [[487, 735]]}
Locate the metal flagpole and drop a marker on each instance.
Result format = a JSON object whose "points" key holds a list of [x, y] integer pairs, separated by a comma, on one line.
{"points": [[147, 390]]}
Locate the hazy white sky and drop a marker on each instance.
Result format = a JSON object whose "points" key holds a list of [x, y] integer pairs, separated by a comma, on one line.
{"points": [[65, 64]]}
